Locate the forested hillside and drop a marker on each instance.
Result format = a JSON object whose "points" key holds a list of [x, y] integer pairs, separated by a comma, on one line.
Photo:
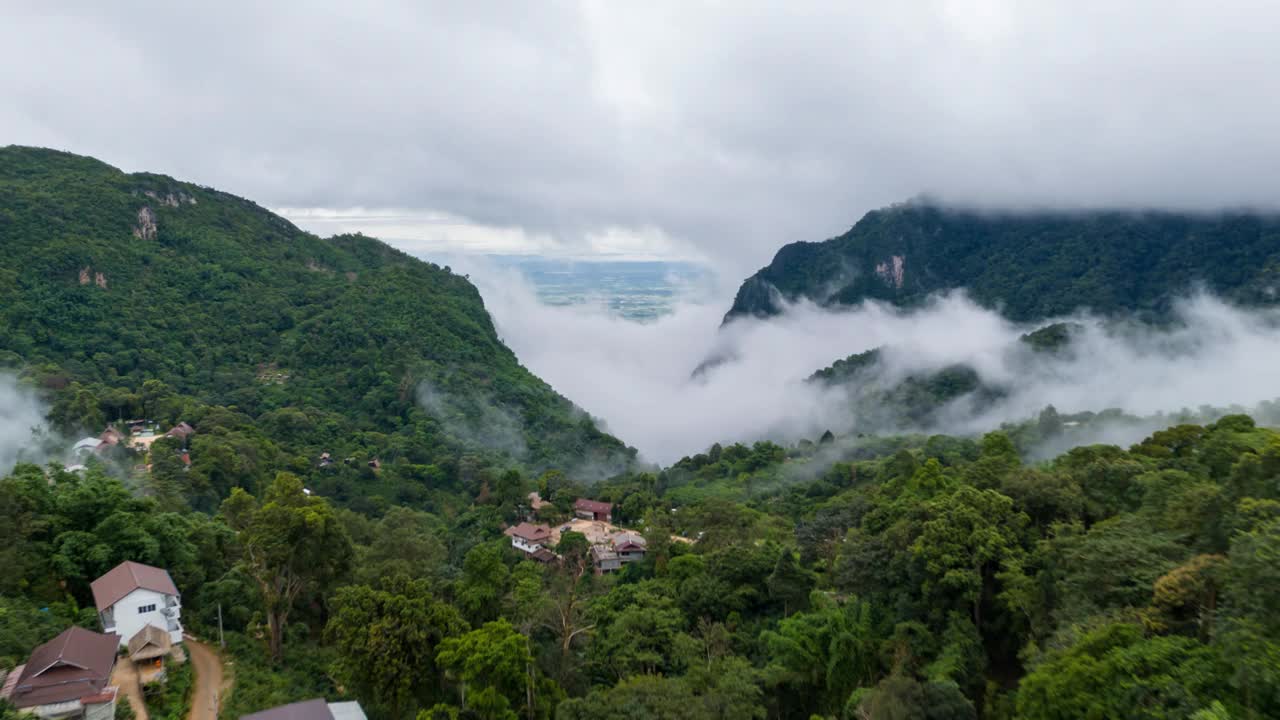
{"points": [[137, 296], [1030, 266], [935, 578]]}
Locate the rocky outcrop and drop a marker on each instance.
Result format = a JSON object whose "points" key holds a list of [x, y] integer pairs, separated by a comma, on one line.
{"points": [[146, 227], [87, 275], [892, 271]]}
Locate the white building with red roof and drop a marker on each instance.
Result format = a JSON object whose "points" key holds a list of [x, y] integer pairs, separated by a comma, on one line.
{"points": [[529, 537], [133, 596]]}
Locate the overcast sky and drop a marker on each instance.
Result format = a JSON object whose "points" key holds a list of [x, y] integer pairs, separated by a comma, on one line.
{"points": [[716, 130]]}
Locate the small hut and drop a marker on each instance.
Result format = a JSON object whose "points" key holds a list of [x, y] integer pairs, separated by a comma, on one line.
{"points": [[147, 649]]}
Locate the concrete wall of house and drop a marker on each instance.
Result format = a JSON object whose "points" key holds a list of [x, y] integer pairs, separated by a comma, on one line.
{"points": [[129, 621], [68, 709], [528, 546], [100, 711]]}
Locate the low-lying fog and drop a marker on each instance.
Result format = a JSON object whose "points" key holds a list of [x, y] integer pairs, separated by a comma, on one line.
{"points": [[21, 412], [637, 377]]}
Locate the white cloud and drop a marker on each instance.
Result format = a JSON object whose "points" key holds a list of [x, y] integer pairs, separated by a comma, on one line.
{"points": [[431, 234], [637, 377], [21, 412]]}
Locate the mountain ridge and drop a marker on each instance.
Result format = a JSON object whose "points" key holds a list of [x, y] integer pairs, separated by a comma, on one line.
{"points": [[1031, 266], [111, 280]]}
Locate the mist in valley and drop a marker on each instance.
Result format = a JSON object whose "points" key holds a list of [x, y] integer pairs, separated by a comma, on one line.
{"points": [[638, 377], [22, 415]]}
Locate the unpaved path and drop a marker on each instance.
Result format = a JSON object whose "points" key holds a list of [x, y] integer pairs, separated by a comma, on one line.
{"points": [[211, 684], [125, 677]]}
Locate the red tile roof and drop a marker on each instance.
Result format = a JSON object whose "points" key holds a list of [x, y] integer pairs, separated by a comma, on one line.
{"points": [[127, 577], [73, 665], [593, 506], [529, 531]]}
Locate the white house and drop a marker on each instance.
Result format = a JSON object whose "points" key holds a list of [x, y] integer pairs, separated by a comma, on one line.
{"points": [[528, 537], [132, 596]]}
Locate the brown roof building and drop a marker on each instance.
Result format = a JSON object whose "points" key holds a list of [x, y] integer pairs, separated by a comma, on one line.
{"points": [[127, 577], [528, 537], [73, 667], [111, 436], [593, 510], [180, 431], [529, 532], [149, 643], [544, 556]]}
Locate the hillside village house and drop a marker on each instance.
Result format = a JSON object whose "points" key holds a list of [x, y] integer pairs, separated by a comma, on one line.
{"points": [[529, 538], [604, 559], [316, 709], [181, 431], [66, 678], [593, 510], [142, 435], [621, 548], [100, 444], [629, 546], [132, 597]]}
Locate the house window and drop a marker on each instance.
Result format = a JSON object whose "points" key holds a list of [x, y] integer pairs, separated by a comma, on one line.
{"points": [[146, 608]]}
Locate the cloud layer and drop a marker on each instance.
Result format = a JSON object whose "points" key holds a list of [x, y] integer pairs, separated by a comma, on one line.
{"points": [[726, 128], [637, 377]]}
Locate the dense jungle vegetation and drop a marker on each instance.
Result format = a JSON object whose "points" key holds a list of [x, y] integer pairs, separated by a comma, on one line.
{"points": [[909, 577]]}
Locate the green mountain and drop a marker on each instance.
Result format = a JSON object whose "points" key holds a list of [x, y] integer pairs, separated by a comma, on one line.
{"points": [[1030, 266], [136, 295]]}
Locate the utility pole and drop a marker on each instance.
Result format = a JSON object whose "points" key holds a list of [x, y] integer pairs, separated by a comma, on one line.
{"points": [[221, 641]]}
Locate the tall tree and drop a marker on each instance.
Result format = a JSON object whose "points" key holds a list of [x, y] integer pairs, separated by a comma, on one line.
{"points": [[490, 665], [969, 535], [789, 584], [292, 541], [570, 586], [387, 641]]}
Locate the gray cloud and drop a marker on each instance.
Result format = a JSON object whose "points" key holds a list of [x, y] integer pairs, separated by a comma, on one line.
{"points": [[733, 127]]}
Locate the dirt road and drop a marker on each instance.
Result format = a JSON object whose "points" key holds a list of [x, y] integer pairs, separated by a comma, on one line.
{"points": [[125, 677], [211, 684]]}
